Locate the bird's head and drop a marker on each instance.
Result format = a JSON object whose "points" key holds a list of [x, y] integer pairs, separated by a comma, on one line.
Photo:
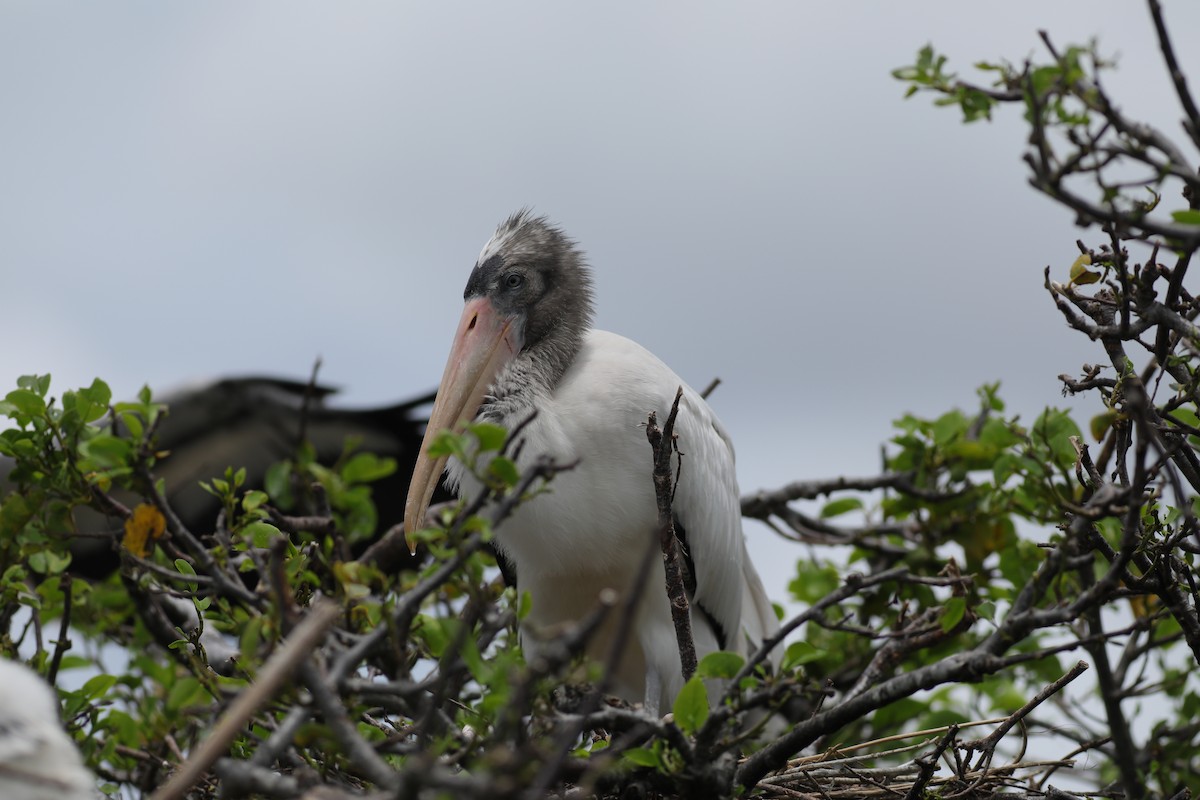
{"points": [[532, 275], [530, 294]]}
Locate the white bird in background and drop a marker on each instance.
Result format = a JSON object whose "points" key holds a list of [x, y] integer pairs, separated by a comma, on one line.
{"points": [[38, 761], [525, 343]]}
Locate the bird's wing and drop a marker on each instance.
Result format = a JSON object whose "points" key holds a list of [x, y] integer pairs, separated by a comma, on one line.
{"points": [[707, 508]]}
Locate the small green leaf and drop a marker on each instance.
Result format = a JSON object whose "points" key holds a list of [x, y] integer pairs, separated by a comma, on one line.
{"points": [[691, 706], [185, 693], [35, 383], [367, 467], [504, 470], [24, 401], [949, 426], [97, 393], [107, 450], [642, 757], [840, 506], [446, 443], [720, 665], [1188, 216], [133, 423], [47, 562], [277, 482], [253, 500], [799, 653], [952, 613], [491, 437], [98, 686], [260, 534], [986, 610]]}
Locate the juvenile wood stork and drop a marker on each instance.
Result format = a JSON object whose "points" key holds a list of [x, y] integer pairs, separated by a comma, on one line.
{"points": [[525, 342]]}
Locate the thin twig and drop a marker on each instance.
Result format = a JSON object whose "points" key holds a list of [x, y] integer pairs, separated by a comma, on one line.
{"points": [[663, 445]]}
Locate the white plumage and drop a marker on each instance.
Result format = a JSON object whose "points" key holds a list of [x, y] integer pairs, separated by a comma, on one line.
{"points": [[524, 345], [591, 529], [38, 761]]}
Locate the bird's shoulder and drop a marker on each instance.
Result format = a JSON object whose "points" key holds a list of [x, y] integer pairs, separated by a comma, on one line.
{"points": [[614, 367]]}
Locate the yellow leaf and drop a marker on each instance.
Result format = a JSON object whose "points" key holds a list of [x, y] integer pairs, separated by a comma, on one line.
{"points": [[1101, 423], [1080, 274], [1143, 605], [143, 526]]}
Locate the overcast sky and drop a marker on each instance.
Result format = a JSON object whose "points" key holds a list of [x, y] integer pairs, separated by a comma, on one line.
{"points": [[196, 190]]}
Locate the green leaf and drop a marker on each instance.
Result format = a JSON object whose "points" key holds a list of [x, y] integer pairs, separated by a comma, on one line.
{"points": [[98, 686], [277, 482], [1054, 428], [691, 706], [799, 653], [48, 562], [24, 401], [490, 437], [260, 534], [253, 499], [999, 434], [720, 665], [986, 610], [35, 383], [133, 423], [367, 467], [971, 454], [446, 443], [642, 757], [504, 470], [1188, 216], [435, 632], [185, 693], [107, 450], [952, 613], [813, 581], [97, 393], [840, 506], [949, 426]]}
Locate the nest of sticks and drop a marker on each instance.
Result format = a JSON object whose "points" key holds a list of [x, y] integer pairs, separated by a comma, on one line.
{"points": [[940, 764]]}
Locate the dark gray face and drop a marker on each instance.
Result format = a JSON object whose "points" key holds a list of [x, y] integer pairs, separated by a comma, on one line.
{"points": [[530, 271]]}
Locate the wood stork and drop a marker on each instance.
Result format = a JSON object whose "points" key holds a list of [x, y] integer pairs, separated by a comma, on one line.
{"points": [[525, 342]]}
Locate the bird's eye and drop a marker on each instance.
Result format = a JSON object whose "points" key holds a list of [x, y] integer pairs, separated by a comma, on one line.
{"points": [[513, 280]]}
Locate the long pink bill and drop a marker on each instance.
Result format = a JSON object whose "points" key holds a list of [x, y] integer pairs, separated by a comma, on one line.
{"points": [[485, 342]]}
